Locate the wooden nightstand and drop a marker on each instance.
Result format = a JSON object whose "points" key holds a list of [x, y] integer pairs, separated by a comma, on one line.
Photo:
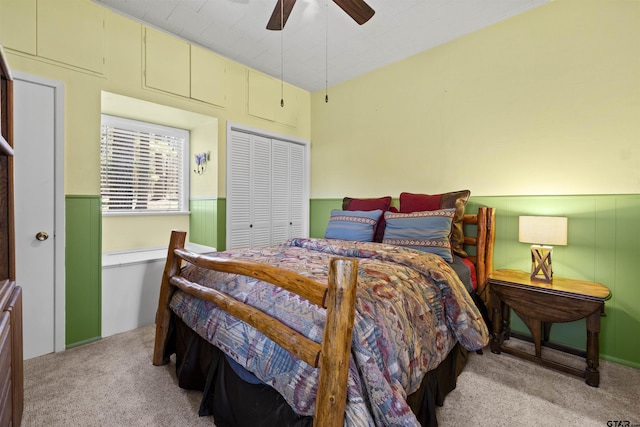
{"points": [[539, 304]]}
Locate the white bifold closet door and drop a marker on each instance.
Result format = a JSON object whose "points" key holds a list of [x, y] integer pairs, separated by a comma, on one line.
{"points": [[287, 186], [265, 190]]}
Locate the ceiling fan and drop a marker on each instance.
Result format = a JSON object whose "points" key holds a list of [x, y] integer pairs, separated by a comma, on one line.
{"points": [[359, 10]]}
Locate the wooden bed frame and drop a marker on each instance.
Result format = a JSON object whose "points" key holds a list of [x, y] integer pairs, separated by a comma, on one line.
{"points": [[338, 297], [483, 242]]}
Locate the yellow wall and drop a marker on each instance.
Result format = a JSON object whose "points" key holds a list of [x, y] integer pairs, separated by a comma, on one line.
{"points": [[41, 38], [547, 102], [126, 232], [203, 134]]}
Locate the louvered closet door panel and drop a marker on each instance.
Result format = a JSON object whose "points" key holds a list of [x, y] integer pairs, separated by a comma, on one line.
{"points": [[280, 191], [261, 191], [296, 190], [239, 191], [266, 190]]}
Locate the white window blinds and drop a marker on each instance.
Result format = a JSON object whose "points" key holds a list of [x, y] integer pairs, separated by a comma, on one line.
{"points": [[143, 167]]}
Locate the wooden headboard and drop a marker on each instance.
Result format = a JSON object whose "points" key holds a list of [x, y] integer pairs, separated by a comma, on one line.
{"points": [[482, 244]]}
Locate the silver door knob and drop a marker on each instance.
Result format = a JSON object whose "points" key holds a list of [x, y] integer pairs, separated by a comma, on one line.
{"points": [[42, 236]]}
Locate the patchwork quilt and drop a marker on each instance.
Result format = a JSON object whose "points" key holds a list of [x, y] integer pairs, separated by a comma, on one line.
{"points": [[411, 309]]}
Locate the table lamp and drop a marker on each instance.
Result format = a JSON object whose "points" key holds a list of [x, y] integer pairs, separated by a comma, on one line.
{"points": [[543, 232]]}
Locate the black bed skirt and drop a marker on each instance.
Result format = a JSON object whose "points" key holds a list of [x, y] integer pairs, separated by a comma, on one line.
{"points": [[234, 402]]}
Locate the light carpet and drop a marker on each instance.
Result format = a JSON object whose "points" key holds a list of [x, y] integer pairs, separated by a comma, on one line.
{"points": [[112, 382], [503, 390]]}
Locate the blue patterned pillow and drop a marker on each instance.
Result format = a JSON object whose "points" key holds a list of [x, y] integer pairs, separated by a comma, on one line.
{"points": [[427, 231], [353, 225]]}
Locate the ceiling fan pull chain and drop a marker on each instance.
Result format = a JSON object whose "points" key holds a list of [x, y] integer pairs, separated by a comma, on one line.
{"points": [[326, 52], [282, 53]]}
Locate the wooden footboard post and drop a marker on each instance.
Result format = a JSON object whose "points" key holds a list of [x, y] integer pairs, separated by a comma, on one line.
{"points": [[163, 315], [336, 345]]}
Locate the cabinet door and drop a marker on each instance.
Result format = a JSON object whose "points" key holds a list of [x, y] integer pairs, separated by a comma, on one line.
{"points": [[263, 95], [288, 114], [207, 76], [167, 63], [18, 25], [65, 38], [6, 397]]}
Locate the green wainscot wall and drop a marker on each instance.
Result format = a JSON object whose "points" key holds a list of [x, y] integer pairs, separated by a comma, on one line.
{"points": [[203, 228], [83, 270], [207, 222], [602, 246]]}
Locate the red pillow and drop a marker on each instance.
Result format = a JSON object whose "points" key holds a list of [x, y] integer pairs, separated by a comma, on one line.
{"points": [[410, 202], [382, 203]]}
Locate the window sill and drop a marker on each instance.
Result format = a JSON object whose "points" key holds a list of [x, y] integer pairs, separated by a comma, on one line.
{"points": [[163, 213]]}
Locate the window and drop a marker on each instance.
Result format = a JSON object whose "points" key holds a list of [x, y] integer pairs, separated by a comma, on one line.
{"points": [[143, 167]]}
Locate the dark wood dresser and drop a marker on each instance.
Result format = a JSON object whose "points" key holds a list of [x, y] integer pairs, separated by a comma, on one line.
{"points": [[11, 371]]}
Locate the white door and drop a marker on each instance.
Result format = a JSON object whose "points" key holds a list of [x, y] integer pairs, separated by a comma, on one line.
{"points": [[280, 191], [35, 153], [239, 191], [261, 191], [249, 191], [296, 190], [267, 189], [287, 190]]}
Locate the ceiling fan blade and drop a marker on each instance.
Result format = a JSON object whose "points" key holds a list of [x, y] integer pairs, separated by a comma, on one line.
{"points": [[277, 20], [359, 10]]}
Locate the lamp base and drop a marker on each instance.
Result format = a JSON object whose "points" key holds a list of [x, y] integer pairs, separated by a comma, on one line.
{"points": [[541, 263]]}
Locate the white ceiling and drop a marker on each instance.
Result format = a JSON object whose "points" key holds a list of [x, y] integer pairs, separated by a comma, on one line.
{"points": [[320, 45]]}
